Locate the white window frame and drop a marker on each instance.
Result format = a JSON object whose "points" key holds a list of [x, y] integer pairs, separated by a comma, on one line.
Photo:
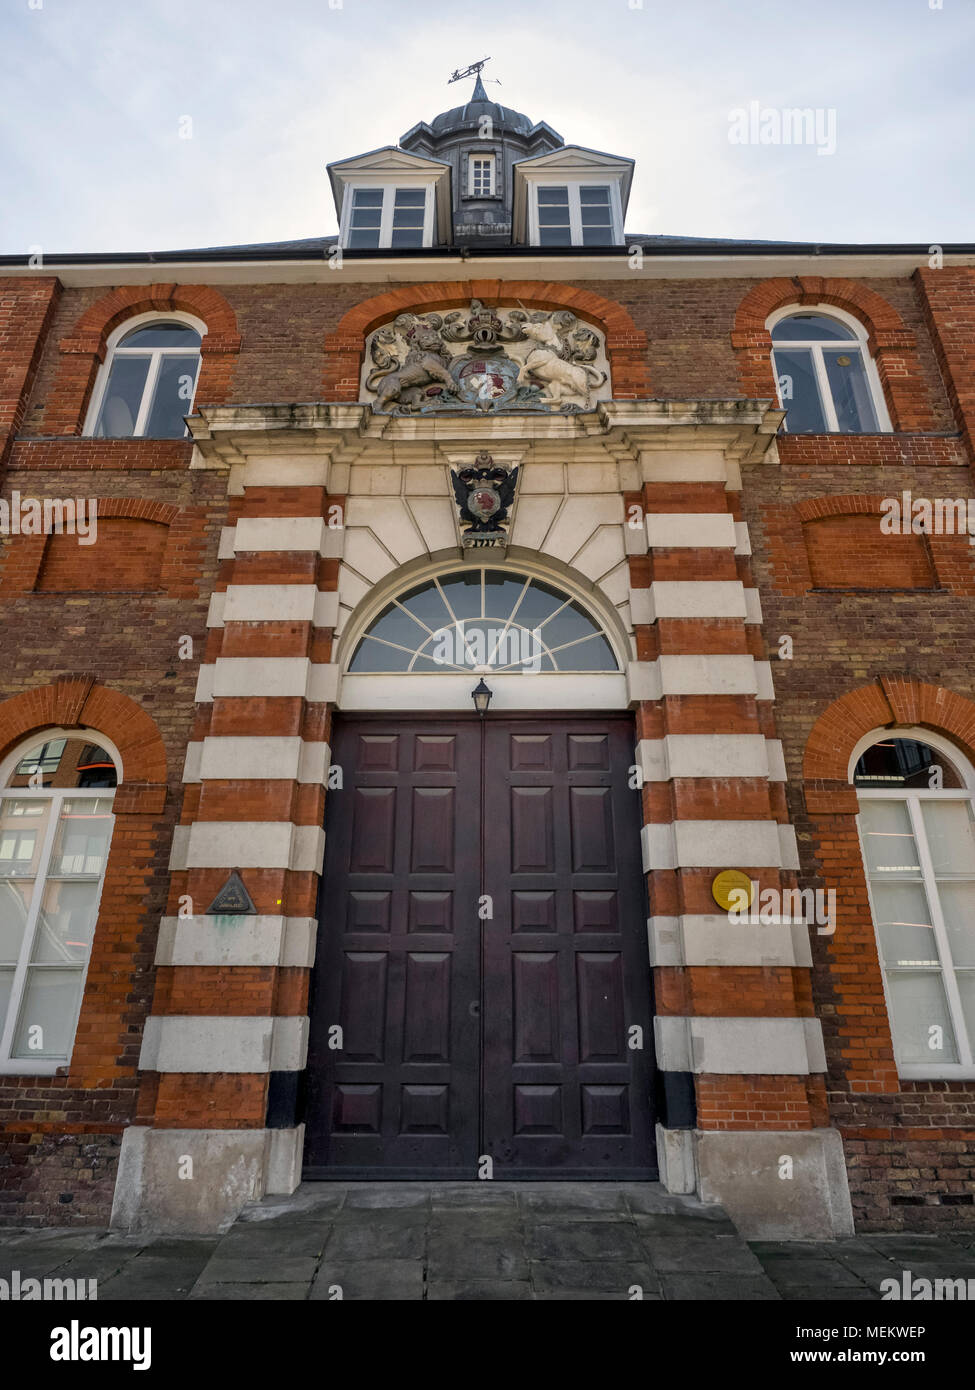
{"points": [[491, 159], [48, 1066], [574, 184], [874, 386], [935, 1071], [157, 354], [389, 187]]}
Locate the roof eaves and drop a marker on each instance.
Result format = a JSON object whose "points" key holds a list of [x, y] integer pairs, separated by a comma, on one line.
{"points": [[651, 245]]}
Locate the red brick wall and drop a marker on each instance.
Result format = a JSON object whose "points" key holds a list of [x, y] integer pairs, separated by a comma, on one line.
{"points": [[948, 300], [127, 554], [851, 552], [59, 1136], [27, 310]]}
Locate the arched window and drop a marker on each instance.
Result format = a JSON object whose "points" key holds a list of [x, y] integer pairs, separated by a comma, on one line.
{"points": [[483, 619], [55, 830], [918, 838], [826, 379], [148, 380]]}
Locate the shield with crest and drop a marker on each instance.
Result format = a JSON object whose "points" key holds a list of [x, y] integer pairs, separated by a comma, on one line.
{"points": [[483, 501], [486, 382]]}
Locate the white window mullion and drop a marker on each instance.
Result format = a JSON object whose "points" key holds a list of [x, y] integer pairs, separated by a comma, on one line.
{"points": [[783, 405], [386, 220], [148, 394], [30, 928], [575, 214], [825, 393], [616, 201]]}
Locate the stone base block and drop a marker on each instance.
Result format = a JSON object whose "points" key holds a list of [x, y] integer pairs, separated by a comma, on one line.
{"points": [[675, 1159], [195, 1181], [777, 1185], [285, 1151]]}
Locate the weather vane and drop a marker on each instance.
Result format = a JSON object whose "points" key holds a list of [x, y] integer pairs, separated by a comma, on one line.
{"points": [[473, 71]]}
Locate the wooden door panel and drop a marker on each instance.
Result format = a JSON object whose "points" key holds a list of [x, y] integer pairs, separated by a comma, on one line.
{"points": [[363, 1012], [600, 1006], [433, 826], [591, 824], [536, 1018], [426, 1023], [373, 830], [533, 912], [532, 830]]}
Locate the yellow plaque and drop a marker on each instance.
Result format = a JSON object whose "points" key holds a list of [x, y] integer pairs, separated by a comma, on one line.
{"points": [[728, 882]]}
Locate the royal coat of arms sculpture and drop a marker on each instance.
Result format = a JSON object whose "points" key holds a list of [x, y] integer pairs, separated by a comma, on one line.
{"points": [[418, 369]]}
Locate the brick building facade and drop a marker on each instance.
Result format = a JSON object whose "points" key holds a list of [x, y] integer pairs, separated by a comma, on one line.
{"points": [[222, 635]]}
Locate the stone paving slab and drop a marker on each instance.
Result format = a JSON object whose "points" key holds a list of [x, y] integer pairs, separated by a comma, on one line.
{"points": [[585, 1240], [496, 1290], [726, 1288], [601, 1276], [376, 1280], [251, 1293], [456, 1255], [439, 1242]]}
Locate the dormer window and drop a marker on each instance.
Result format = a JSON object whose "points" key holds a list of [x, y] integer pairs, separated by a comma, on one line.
{"points": [[481, 176], [393, 217], [570, 197], [391, 200]]}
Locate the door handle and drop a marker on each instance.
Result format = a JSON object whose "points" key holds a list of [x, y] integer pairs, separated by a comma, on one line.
{"points": [[474, 1008]]}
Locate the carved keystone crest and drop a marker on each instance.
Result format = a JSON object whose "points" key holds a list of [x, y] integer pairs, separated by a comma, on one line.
{"points": [[484, 493]]}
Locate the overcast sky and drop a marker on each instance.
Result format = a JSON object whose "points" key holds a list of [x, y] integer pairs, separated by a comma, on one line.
{"points": [[96, 94]]}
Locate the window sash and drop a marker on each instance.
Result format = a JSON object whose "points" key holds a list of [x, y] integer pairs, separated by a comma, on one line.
{"points": [[155, 356], [575, 210], [25, 1066], [948, 971], [389, 192], [481, 169], [815, 348]]}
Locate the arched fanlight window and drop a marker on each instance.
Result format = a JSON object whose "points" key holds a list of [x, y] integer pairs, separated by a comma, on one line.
{"points": [[826, 379], [147, 382], [480, 618], [55, 829], [918, 838]]}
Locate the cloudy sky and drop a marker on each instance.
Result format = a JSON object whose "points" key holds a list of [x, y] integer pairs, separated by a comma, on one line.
{"points": [[99, 95]]}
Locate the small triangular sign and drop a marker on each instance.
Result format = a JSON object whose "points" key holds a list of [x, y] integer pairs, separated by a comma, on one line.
{"points": [[233, 900]]}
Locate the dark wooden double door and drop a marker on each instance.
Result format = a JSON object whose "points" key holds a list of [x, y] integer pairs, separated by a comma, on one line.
{"points": [[482, 984]]}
